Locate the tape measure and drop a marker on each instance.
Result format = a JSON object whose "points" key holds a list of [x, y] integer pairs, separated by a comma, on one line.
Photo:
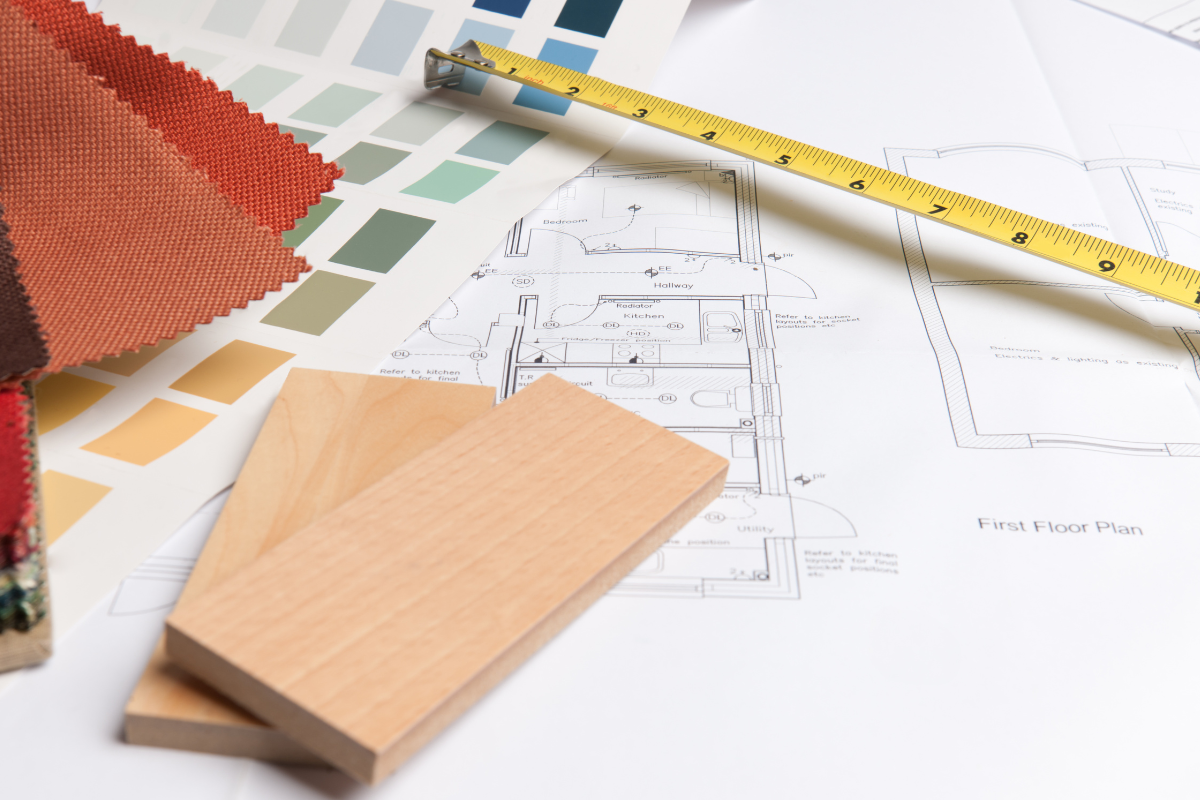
{"points": [[1123, 265]]}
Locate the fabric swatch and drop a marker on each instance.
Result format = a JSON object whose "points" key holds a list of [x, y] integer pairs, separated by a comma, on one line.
{"points": [[112, 271], [21, 346], [272, 179], [22, 563]]}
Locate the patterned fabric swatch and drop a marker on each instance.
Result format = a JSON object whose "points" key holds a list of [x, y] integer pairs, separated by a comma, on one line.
{"points": [[22, 568], [21, 345], [270, 176], [121, 242]]}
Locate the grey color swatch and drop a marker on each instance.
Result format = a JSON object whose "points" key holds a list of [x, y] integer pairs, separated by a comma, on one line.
{"points": [[302, 134], [365, 161], [233, 17], [311, 25], [261, 85], [335, 105], [201, 60], [416, 123], [392, 37], [501, 142]]}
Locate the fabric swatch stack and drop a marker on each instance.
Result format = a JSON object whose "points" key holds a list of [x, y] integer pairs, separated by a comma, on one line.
{"points": [[137, 201]]}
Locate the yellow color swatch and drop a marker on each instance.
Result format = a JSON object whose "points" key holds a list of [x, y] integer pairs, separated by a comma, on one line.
{"points": [[157, 429], [128, 363], [60, 398], [65, 499], [232, 371]]}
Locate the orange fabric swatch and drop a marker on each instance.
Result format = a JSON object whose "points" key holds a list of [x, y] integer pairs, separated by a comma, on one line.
{"points": [[264, 172], [121, 242]]}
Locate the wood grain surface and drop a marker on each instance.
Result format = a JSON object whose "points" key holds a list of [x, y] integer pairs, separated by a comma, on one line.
{"points": [[329, 436], [368, 632], [22, 648]]}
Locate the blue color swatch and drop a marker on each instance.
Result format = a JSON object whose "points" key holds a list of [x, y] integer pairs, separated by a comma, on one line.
{"points": [[564, 54], [592, 17], [512, 8], [392, 37], [473, 80]]}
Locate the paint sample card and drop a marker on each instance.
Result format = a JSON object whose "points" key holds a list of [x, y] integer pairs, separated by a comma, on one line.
{"points": [[305, 226], [511, 8], [392, 37], [564, 54], [385, 239], [128, 363], [157, 429], [593, 17], [472, 81], [311, 24], [65, 499], [317, 303], [417, 123], [335, 105], [302, 135], [501, 142], [233, 17], [60, 398], [366, 161], [261, 85], [451, 181], [232, 371]]}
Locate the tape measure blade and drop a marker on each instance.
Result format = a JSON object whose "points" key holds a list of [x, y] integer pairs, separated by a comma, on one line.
{"points": [[1122, 265]]}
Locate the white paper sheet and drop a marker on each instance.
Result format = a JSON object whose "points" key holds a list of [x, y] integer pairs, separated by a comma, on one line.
{"points": [[1004, 609]]}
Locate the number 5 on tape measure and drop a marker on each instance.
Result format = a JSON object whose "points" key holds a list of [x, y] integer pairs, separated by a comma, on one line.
{"points": [[1133, 268]]}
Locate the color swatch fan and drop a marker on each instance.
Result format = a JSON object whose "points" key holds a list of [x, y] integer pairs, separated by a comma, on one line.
{"points": [[137, 201]]}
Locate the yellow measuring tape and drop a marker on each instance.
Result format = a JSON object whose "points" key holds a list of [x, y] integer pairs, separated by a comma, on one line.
{"points": [[1123, 265]]}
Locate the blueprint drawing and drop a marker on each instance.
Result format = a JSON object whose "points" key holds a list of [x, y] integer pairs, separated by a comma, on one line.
{"points": [[647, 285], [999, 343]]}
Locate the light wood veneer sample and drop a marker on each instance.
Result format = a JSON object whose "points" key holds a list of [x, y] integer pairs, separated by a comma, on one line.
{"points": [[368, 632], [329, 436]]}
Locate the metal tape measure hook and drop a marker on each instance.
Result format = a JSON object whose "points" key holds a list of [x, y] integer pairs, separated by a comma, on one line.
{"points": [[436, 72]]}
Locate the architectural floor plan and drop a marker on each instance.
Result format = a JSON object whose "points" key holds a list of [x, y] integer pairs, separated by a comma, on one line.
{"points": [[647, 284], [1035, 355], [1180, 20]]}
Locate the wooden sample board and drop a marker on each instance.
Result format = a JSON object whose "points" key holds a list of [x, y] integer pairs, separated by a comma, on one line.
{"points": [[22, 648], [329, 436], [368, 632]]}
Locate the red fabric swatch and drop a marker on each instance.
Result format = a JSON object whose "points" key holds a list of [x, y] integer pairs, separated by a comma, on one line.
{"points": [[121, 242], [266, 173], [16, 486]]}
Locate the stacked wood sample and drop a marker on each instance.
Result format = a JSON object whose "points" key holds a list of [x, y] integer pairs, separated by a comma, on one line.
{"points": [[329, 436], [368, 632]]}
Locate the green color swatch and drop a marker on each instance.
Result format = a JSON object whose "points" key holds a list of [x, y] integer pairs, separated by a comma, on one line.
{"points": [[306, 225], [261, 85], [365, 161], [317, 303], [302, 135], [201, 60], [451, 181], [335, 105], [501, 142], [416, 123], [383, 241]]}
